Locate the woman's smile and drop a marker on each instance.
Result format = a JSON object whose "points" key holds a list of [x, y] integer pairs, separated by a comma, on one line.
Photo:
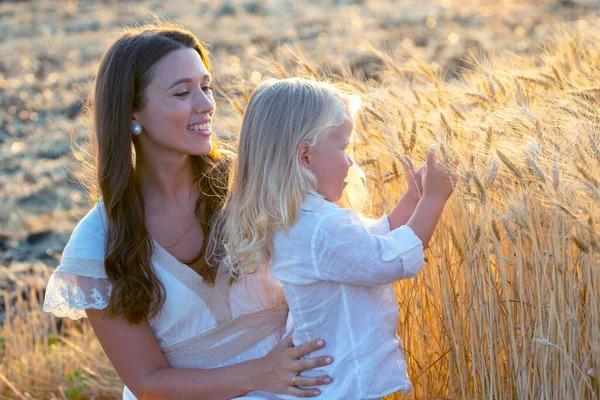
{"points": [[201, 128]]}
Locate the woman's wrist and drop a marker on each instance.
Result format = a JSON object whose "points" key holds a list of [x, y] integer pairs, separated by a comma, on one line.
{"points": [[254, 378]]}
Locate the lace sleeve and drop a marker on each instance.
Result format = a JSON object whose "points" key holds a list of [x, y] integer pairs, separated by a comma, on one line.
{"points": [[69, 293]]}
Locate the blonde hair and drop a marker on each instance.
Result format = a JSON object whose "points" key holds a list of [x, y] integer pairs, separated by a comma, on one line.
{"points": [[268, 185]]}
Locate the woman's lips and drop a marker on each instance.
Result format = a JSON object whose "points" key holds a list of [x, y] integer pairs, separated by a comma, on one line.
{"points": [[201, 129]]}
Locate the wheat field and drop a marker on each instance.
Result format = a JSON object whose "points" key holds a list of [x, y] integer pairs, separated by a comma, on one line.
{"points": [[508, 304]]}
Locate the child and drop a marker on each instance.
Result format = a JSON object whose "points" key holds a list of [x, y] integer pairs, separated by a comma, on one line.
{"points": [[336, 272]]}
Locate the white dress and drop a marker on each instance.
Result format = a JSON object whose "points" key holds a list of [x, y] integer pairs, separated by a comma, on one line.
{"points": [[199, 326]]}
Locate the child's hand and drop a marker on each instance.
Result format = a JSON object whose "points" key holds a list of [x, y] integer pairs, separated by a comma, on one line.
{"points": [[414, 179], [436, 182]]}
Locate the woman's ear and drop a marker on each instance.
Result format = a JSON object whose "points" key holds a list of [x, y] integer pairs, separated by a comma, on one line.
{"points": [[304, 155], [135, 119]]}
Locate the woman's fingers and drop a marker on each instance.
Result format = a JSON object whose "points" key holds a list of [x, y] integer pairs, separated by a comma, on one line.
{"points": [[313, 381], [304, 382], [287, 342], [310, 363], [298, 392], [306, 348]]}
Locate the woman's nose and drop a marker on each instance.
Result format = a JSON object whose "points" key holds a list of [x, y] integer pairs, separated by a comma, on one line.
{"points": [[204, 102]]}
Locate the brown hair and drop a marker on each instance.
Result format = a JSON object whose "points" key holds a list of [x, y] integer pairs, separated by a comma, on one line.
{"points": [[123, 75]]}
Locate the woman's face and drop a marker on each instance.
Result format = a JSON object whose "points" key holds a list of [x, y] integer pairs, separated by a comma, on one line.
{"points": [[178, 107]]}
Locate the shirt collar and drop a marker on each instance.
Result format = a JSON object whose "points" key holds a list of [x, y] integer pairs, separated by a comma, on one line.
{"points": [[313, 203]]}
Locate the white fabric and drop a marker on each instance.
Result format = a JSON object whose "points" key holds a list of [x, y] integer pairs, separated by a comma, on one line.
{"points": [[337, 274], [68, 295], [80, 283]]}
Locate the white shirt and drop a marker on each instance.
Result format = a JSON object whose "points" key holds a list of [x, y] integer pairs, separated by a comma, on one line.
{"points": [[337, 275], [81, 283]]}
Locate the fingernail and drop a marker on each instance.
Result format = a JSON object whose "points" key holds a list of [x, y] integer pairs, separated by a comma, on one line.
{"points": [[316, 393], [320, 343], [328, 360], [327, 380]]}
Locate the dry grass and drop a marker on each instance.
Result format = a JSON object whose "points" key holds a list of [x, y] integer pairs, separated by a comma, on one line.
{"points": [[39, 360], [508, 306]]}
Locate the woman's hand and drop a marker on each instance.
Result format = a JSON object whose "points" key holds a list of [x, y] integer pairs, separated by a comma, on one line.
{"points": [[280, 368], [141, 364]]}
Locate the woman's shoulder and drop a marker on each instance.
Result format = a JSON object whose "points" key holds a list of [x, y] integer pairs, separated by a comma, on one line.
{"points": [[80, 281], [88, 240]]}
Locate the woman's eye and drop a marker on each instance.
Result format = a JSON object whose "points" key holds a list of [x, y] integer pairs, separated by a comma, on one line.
{"points": [[182, 94], [207, 88]]}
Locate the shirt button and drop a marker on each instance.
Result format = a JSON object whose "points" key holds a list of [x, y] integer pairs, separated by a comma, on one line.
{"points": [[389, 254]]}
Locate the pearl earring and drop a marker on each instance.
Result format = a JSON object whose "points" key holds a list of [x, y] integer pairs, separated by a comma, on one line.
{"points": [[137, 129]]}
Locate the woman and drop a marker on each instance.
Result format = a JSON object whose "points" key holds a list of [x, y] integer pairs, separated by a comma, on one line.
{"points": [[140, 265]]}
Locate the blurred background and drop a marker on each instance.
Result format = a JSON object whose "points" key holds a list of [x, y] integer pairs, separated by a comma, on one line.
{"points": [[50, 51]]}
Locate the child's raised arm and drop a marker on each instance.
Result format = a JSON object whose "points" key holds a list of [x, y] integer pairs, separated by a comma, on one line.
{"points": [[343, 250], [437, 188], [409, 200]]}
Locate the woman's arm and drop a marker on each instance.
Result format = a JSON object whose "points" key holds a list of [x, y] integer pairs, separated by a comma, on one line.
{"points": [[139, 361]]}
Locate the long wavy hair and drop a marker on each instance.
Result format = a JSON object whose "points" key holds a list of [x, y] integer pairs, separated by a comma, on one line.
{"points": [[119, 90], [269, 185]]}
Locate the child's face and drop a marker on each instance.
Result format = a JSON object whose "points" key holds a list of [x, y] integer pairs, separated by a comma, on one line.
{"points": [[330, 163]]}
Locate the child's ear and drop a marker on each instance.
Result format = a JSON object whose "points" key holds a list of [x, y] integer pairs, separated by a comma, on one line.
{"points": [[304, 155]]}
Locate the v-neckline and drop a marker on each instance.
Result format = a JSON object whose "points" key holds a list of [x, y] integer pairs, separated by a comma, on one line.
{"points": [[216, 296], [167, 256]]}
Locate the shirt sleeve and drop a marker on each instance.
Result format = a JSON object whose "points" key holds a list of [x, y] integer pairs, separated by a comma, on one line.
{"points": [[80, 281], [345, 251], [379, 226], [68, 295]]}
